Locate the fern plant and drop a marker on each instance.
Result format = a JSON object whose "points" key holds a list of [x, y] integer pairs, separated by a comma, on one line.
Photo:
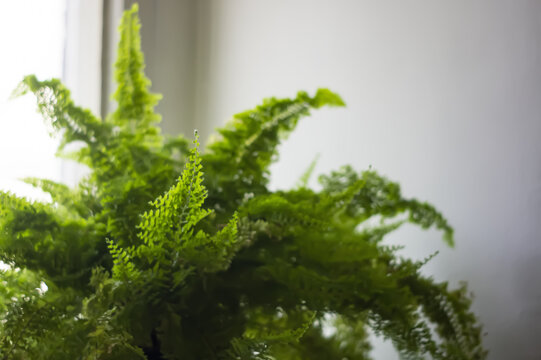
{"points": [[162, 252]]}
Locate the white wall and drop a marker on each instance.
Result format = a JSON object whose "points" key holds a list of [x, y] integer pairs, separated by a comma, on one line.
{"points": [[31, 42], [443, 96], [82, 66]]}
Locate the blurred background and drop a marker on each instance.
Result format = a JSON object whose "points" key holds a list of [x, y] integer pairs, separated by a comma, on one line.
{"points": [[442, 96]]}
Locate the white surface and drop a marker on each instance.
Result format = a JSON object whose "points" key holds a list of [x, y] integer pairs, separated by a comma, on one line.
{"points": [[32, 35], [82, 69], [443, 96]]}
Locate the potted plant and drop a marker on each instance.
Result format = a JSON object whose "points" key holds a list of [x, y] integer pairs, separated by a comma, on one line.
{"points": [[162, 252]]}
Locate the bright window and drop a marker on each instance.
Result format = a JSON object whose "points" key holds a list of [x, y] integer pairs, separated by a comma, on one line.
{"points": [[32, 36]]}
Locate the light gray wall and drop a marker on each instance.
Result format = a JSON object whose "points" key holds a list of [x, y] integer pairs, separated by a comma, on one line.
{"points": [[443, 96], [82, 66]]}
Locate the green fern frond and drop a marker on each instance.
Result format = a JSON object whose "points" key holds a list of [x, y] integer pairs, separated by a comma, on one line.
{"points": [[123, 266], [135, 111], [239, 160], [372, 194], [179, 210], [72, 122], [305, 177]]}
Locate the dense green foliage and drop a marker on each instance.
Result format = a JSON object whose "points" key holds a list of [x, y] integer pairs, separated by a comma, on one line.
{"points": [[138, 262]]}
